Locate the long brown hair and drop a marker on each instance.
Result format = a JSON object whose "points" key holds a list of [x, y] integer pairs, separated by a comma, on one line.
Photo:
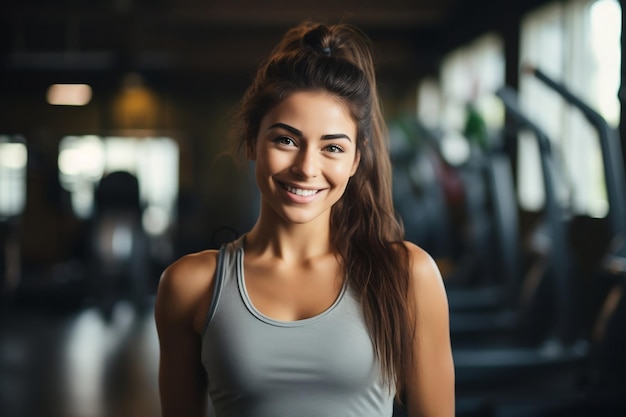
{"points": [[365, 232]]}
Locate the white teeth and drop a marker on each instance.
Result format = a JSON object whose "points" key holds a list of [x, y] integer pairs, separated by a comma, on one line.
{"points": [[299, 191]]}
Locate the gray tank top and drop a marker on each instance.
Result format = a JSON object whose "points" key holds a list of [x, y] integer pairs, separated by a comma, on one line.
{"points": [[322, 366]]}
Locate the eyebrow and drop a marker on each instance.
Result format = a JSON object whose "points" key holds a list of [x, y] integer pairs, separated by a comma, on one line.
{"points": [[299, 133]]}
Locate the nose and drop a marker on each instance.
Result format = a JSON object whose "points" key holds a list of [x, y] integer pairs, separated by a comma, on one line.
{"points": [[306, 164]]}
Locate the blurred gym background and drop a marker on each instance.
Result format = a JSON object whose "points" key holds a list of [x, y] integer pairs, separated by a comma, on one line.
{"points": [[506, 137]]}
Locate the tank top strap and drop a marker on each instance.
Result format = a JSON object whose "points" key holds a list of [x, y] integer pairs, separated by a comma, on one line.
{"points": [[227, 262]]}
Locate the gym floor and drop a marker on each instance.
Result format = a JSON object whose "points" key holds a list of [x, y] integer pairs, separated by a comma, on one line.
{"points": [[78, 363], [83, 361]]}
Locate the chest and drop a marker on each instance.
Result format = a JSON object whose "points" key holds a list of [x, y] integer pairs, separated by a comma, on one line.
{"points": [[249, 355], [290, 293]]}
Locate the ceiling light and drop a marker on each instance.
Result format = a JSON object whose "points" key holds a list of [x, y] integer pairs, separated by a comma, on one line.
{"points": [[69, 94]]}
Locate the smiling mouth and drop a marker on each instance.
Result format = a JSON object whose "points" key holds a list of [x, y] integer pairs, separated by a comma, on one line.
{"points": [[299, 191]]}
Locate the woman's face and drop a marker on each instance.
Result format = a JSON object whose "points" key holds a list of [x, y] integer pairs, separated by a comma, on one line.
{"points": [[305, 154]]}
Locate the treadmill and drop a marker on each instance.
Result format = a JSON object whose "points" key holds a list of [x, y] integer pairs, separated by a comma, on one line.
{"points": [[489, 370], [609, 363], [614, 262]]}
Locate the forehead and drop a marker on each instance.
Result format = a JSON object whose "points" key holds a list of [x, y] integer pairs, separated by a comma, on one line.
{"points": [[312, 110]]}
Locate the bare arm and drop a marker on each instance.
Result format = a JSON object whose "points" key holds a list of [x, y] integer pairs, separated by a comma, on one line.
{"points": [[430, 385], [181, 304]]}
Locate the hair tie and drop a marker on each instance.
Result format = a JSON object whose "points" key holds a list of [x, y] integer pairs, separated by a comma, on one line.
{"points": [[326, 51]]}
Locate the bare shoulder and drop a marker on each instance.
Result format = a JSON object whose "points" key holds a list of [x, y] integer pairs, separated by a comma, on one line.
{"points": [[430, 382], [190, 270], [423, 266], [425, 275], [185, 287]]}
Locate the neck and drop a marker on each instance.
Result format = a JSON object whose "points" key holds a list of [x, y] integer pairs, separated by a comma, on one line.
{"points": [[290, 242]]}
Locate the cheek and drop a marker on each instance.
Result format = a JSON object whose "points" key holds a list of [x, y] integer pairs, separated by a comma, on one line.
{"points": [[341, 173], [269, 163]]}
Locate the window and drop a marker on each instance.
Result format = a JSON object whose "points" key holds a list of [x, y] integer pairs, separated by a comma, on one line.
{"points": [[83, 160], [469, 75], [576, 43], [13, 160]]}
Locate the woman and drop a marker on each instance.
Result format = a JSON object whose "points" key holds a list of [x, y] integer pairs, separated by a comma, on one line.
{"points": [[321, 309]]}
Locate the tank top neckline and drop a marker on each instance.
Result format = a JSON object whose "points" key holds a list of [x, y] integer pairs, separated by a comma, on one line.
{"points": [[241, 284]]}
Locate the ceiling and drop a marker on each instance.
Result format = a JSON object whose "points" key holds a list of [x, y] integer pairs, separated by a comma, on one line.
{"points": [[219, 39]]}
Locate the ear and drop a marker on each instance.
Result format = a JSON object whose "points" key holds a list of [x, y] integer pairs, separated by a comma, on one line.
{"points": [[355, 164]]}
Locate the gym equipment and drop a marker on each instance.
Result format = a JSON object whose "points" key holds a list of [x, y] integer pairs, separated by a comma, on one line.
{"points": [[614, 262], [609, 368], [489, 304], [560, 349], [611, 151], [418, 192], [465, 215], [119, 256], [443, 205]]}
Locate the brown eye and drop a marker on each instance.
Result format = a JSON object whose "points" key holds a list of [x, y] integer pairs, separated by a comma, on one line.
{"points": [[284, 140], [335, 149]]}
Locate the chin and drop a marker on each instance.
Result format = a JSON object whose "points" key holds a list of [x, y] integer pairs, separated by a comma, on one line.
{"points": [[304, 218]]}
